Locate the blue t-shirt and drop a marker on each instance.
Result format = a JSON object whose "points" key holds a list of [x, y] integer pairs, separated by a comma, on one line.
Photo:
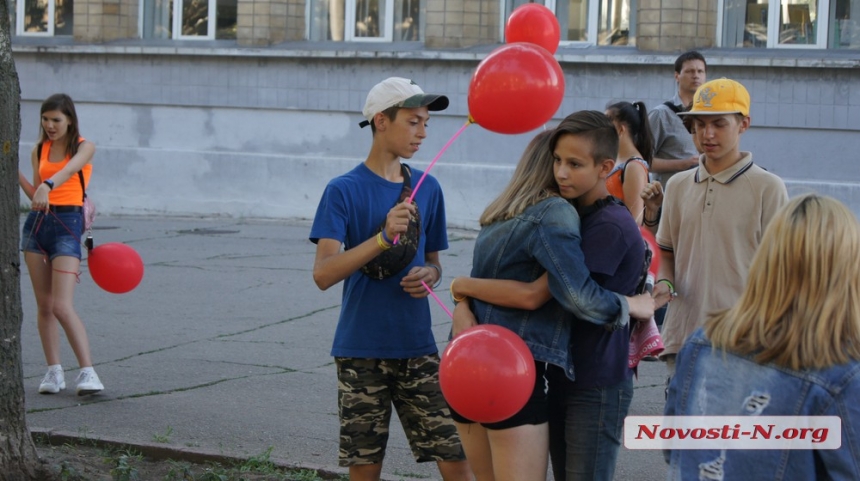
{"points": [[378, 319], [615, 255]]}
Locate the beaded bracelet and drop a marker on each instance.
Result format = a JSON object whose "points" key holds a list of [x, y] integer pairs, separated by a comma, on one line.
{"points": [[382, 244]]}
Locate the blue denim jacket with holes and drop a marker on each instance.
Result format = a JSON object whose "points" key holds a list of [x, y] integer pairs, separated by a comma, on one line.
{"points": [[712, 382], [544, 238]]}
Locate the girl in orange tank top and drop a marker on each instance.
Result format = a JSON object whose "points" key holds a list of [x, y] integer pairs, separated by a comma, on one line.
{"points": [[51, 239], [635, 149]]}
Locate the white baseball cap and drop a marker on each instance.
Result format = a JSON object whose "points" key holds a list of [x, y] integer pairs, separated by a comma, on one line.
{"points": [[399, 92]]}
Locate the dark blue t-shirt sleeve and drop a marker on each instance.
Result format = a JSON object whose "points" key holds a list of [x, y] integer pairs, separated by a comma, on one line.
{"points": [[331, 218]]}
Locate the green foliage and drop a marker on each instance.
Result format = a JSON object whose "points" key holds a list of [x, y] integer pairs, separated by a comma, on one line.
{"points": [[179, 471], [260, 463], [124, 465], [163, 438], [214, 476], [69, 473], [306, 475]]}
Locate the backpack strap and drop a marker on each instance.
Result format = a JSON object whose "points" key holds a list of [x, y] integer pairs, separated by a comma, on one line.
{"points": [[80, 172], [83, 187], [673, 107], [406, 172], [81, 177]]}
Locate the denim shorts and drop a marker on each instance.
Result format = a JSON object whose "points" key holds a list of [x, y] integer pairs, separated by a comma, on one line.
{"points": [[53, 234]]}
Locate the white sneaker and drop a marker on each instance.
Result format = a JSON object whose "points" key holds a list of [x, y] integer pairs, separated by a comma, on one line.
{"points": [[88, 383], [53, 382]]}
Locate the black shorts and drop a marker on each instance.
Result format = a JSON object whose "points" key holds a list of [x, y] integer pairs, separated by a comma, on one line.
{"points": [[534, 412]]}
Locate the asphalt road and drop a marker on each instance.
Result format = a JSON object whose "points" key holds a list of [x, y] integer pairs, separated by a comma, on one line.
{"points": [[224, 347]]}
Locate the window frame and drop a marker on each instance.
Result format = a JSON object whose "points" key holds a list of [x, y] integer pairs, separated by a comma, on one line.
{"points": [[822, 34], [592, 23], [349, 7], [176, 21], [20, 11], [210, 27], [349, 19]]}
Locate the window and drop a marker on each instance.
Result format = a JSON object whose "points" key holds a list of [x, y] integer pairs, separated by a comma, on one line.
{"points": [[788, 24], [188, 19], [45, 17], [845, 24], [583, 21], [365, 20]]}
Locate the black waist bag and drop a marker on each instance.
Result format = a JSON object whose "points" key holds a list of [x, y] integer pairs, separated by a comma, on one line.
{"points": [[394, 260]]}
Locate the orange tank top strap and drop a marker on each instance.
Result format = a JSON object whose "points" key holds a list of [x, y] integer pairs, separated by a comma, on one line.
{"points": [[613, 182], [70, 192], [615, 179]]}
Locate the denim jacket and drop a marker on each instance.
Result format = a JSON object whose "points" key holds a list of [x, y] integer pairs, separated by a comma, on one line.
{"points": [[712, 382], [544, 238]]}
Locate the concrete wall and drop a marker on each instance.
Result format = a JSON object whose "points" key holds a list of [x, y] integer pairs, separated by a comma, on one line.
{"points": [[260, 136]]}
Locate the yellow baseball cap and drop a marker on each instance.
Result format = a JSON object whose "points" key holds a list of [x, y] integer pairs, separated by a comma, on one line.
{"points": [[719, 97]]}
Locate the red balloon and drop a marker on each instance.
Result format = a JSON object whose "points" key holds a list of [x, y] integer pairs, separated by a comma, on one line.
{"points": [[533, 23], [115, 267], [655, 250], [515, 89], [487, 373]]}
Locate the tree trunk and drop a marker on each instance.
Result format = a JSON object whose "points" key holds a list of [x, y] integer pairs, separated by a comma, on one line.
{"points": [[18, 457]]}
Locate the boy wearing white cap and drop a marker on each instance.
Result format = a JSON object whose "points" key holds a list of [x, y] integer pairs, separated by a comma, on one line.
{"points": [[712, 216], [384, 348]]}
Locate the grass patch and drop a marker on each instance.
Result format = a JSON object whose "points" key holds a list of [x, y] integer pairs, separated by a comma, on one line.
{"points": [[163, 438]]}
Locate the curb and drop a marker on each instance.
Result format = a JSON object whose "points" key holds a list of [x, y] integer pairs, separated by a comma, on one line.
{"points": [[163, 452]]}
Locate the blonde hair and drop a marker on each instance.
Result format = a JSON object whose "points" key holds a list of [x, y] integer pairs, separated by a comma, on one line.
{"points": [[532, 182], [800, 308]]}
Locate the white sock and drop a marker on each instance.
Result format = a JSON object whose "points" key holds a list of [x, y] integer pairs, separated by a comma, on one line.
{"points": [[88, 369], [55, 367]]}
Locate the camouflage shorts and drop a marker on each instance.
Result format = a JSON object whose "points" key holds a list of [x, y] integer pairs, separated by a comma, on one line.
{"points": [[367, 388]]}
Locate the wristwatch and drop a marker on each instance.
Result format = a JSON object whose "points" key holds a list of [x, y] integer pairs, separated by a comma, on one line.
{"points": [[49, 183]]}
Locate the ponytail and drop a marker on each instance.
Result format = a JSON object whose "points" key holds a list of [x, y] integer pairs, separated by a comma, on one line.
{"points": [[635, 117], [643, 139]]}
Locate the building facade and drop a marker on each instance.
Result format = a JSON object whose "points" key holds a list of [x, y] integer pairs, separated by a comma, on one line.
{"points": [[248, 107]]}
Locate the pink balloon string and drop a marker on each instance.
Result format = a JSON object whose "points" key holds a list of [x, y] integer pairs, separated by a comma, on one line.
{"points": [[433, 294], [432, 163]]}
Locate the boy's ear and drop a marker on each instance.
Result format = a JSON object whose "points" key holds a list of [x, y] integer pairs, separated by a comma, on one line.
{"points": [[380, 121], [745, 123], [605, 166]]}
